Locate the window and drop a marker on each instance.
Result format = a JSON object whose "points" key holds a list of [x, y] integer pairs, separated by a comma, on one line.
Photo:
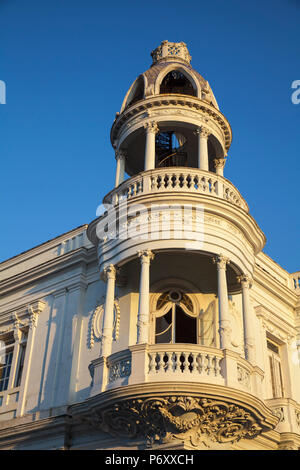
{"points": [[175, 320], [6, 355], [176, 82], [12, 357], [276, 382]]}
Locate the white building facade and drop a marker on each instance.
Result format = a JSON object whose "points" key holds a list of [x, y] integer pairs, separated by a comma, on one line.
{"points": [[162, 324]]}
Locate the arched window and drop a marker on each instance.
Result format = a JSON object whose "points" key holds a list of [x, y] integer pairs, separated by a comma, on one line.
{"points": [[176, 82], [175, 319], [136, 93]]}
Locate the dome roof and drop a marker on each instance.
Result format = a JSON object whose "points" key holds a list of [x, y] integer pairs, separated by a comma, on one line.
{"points": [[169, 59]]}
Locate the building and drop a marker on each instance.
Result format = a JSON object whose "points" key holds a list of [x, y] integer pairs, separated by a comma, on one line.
{"points": [[162, 324]]}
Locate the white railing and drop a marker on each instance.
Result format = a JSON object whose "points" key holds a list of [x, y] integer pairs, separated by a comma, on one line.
{"points": [[174, 179], [173, 361], [144, 363]]}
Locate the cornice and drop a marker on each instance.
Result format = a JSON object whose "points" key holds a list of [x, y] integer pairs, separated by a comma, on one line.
{"points": [[275, 324], [173, 100], [268, 282], [43, 247], [53, 266]]}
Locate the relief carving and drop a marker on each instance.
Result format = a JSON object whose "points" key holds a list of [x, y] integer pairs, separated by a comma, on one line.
{"points": [[196, 421]]}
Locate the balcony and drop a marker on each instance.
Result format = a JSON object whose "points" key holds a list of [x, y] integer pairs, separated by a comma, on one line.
{"points": [[143, 363], [177, 180]]}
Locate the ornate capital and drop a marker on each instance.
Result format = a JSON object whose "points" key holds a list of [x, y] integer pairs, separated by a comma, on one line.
{"points": [[109, 272], [34, 310], [151, 126], [146, 256], [219, 162], [245, 280], [202, 132], [120, 154], [221, 261]]}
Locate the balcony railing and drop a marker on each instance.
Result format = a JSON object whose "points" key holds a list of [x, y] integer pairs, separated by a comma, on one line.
{"points": [[296, 280], [175, 179], [145, 363]]}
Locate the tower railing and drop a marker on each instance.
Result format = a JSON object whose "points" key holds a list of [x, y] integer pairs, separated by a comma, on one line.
{"points": [[177, 179]]}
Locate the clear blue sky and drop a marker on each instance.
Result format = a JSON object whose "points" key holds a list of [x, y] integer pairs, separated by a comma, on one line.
{"points": [[67, 65]]}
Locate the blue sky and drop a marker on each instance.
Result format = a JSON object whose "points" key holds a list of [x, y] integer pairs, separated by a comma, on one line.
{"points": [[67, 66]]}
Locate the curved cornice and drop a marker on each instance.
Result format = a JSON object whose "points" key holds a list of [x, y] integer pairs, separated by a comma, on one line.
{"points": [[180, 102]]}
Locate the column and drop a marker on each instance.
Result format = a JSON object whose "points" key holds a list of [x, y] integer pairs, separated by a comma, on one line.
{"points": [[110, 277], [144, 308], [202, 134], [219, 164], [224, 322], [246, 283], [151, 131], [120, 170]]}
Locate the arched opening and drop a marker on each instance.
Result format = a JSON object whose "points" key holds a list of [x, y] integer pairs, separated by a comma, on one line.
{"points": [[175, 321], [170, 149], [176, 82], [136, 93]]}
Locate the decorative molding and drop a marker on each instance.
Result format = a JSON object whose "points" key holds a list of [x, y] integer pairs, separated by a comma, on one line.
{"points": [[279, 412], [186, 419], [221, 261], [146, 256], [151, 127], [119, 369], [95, 333]]}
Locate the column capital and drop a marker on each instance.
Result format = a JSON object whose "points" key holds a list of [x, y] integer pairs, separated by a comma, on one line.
{"points": [[202, 132], [120, 154], [151, 126], [110, 272], [146, 256], [219, 162], [245, 280], [221, 261]]}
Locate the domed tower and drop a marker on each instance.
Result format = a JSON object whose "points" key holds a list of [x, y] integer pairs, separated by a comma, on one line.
{"points": [[176, 247]]}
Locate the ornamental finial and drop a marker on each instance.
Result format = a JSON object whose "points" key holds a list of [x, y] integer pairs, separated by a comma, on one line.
{"points": [[171, 51]]}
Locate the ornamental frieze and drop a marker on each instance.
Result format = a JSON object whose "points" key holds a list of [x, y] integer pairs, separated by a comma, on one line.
{"points": [[196, 421]]}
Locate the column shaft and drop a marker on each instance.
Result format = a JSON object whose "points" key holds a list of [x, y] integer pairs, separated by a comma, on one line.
{"points": [[151, 130], [247, 318], [202, 148], [224, 322], [110, 273], [144, 308], [120, 170]]}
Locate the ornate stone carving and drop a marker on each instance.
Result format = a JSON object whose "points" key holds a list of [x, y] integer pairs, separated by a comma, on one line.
{"points": [[219, 162], [279, 412], [151, 127], [109, 272], [221, 261], [245, 280], [177, 418], [243, 377], [146, 256], [96, 324], [119, 369]]}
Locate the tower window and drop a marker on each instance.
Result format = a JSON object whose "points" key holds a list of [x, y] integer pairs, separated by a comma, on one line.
{"points": [[176, 82]]}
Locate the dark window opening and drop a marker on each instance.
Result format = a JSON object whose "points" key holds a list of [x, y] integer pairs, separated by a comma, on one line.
{"points": [[176, 82]]}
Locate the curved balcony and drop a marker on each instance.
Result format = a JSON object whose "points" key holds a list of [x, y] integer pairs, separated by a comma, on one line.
{"points": [[177, 180], [143, 363]]}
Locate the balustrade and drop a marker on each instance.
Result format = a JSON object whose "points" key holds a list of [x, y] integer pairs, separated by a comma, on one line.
{"points": [[177, 180]]}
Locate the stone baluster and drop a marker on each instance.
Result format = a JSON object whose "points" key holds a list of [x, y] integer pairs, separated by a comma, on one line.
{"points": [[151, 131], [224, 322], [144, 312]]}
